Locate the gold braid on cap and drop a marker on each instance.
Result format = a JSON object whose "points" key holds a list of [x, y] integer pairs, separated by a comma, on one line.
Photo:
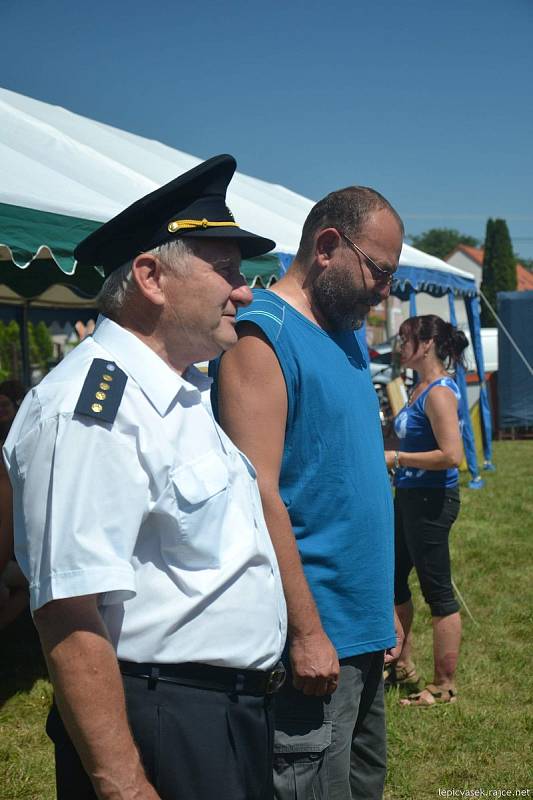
{"points": [[192, 224]]}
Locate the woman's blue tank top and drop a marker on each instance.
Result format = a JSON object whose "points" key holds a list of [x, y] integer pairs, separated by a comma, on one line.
{"points": [[414, 431]]}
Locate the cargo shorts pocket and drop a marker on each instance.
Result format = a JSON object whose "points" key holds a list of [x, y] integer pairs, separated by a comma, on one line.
{"points": [[301, 760]]}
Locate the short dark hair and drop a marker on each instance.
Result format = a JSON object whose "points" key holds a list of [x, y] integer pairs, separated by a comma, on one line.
{"points": [[347, 209], [450, 342]]}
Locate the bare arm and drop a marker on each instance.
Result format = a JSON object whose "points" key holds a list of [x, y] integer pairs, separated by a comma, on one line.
{"points": [[392, 654], [441, 409], [89, 694], [253, 411]]}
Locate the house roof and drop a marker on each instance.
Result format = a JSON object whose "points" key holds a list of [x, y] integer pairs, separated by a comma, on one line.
{"points": [[524, 278], [475, 253]]}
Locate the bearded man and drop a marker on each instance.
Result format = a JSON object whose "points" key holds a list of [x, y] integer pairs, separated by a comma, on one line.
{"points": [[295, 394]]}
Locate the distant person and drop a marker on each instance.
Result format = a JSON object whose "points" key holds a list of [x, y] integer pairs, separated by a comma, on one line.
{"points": [[14, 596], [154, 585], [296, 395], [427, 499]]}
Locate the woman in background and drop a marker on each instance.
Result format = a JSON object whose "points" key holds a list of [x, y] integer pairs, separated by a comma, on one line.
{"points": [[426, 503]]}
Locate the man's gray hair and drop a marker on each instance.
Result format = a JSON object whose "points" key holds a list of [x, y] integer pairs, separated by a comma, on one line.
{"points": [[346, 209], [119, 285]]}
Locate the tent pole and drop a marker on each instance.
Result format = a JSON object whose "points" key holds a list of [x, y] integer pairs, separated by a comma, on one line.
{"points": [[412, 302], [469, 443], [474, 323]]}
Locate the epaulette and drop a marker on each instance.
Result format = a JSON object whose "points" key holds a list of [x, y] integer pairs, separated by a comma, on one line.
{"points": [[102, 391]]}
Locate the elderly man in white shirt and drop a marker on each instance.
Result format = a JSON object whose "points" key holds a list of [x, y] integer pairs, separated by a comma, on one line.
{"points": [[139, 525]]}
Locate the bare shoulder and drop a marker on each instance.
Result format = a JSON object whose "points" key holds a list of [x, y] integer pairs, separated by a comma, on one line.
{"points": [[252, 399], [441, 405], [252, 342], [440, 397], [250, 361]]}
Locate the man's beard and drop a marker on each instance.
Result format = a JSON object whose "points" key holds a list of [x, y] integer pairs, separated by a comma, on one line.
{"points": [[342, 304]]}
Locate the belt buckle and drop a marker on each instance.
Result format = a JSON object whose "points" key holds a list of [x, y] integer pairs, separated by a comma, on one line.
{"points": [[276, 678]]}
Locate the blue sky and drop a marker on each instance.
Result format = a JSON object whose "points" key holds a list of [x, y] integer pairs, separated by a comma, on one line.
{"points": [[429, 102]]}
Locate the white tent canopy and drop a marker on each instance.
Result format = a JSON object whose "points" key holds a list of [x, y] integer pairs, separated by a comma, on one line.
{"points": [[58, 162]]}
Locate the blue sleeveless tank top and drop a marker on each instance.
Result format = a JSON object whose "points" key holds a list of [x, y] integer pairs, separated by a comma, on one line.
{"points": [[414, 431], [333, 478]]}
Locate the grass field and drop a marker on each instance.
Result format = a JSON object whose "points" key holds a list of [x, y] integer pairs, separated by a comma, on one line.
{"points": [[483, 742]]}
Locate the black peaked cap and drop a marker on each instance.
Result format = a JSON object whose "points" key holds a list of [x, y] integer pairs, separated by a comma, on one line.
{"points": [[192, 205]]}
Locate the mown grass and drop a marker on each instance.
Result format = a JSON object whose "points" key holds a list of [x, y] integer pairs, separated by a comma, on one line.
{"points": [[26, 756], [482, 742], [485, 740]]}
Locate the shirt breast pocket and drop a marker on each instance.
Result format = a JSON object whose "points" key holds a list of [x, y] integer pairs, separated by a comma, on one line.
{"points": [[202, 491]]}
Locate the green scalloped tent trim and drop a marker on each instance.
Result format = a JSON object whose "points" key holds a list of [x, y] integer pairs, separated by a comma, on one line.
{"points": [[24, 232]]}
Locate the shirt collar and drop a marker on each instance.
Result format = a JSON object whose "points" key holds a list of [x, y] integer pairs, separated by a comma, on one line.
{"points": [[156, 379]]}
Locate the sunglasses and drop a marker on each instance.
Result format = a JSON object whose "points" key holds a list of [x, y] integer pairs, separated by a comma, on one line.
{"points": [[379, 273]]}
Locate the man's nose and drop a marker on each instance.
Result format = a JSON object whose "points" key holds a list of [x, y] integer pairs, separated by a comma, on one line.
{"points": [[241, 294]]}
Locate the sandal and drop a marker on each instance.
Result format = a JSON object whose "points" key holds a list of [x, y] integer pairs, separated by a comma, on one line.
{"points": [[430, 696], [400, 675]]}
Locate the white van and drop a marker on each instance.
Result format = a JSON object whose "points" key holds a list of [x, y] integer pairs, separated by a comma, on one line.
{"points": [[489, 345]]}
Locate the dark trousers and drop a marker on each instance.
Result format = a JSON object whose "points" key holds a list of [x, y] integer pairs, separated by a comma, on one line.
{"points": [[422, 522], [195, 744]]}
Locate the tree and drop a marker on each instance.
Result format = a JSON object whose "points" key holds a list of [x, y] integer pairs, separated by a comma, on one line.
{"points": [[41, 345], [41, 349], [441, 241], [499, 267], [10, 354]]}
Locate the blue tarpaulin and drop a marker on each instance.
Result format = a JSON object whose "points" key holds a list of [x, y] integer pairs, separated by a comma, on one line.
{"points": [[515, 358]]}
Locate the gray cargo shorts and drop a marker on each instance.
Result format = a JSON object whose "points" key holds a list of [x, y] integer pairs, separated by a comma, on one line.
{"points": [[333, 747]]}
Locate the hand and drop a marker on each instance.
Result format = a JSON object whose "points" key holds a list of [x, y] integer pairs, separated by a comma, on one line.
{"points": [[389, 458], [315, 666], [393, 653], [136, 787]]}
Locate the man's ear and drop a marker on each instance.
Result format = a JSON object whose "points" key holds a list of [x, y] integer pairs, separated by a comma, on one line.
{"points": [[327, 241], [147, 273]]}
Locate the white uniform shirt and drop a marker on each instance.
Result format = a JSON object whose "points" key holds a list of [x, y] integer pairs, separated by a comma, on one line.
{"points": [[158, 513]]}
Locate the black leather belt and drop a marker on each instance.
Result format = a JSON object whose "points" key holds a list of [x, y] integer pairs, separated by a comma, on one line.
{"points": [[206, 676]]}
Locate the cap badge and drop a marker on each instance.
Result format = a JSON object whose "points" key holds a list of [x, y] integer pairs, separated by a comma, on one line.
{"points": [[194, 224]]}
